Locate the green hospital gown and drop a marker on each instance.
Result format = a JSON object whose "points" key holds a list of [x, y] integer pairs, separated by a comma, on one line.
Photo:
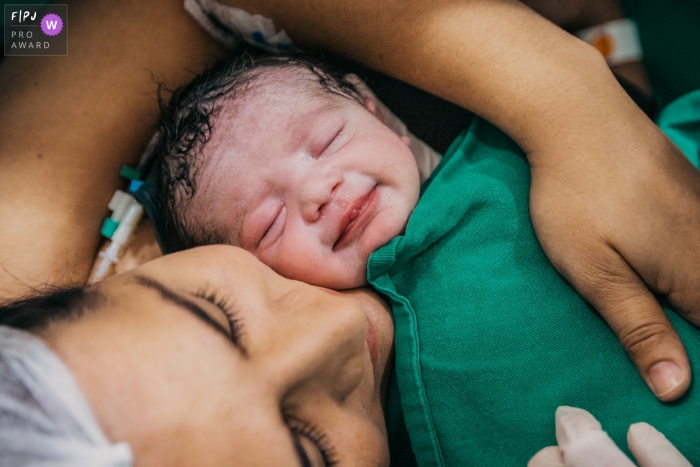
{"points": [[490, 339]]}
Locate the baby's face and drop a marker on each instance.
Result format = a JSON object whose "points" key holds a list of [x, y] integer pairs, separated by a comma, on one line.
{"points": [[309, 182]]}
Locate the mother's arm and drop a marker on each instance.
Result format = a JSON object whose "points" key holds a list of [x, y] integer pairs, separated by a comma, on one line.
{"points": [[69, 123]]}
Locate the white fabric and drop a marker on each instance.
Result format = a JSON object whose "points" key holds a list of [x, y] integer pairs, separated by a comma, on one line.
{"points": [[44, 418], [231, 27]]}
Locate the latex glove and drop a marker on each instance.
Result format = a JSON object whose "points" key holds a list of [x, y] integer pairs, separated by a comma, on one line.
{"points": [[582, 443], [621, 229]]}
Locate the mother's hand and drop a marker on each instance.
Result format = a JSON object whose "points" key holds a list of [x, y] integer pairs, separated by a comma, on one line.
{"points": [[619, 217]]}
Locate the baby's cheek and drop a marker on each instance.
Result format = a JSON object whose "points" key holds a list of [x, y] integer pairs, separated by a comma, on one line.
{"points": [[318, 266]]}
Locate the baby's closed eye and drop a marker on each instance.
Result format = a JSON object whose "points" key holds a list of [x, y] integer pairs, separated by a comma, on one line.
{"points": [[331, 143], [275, 226]]}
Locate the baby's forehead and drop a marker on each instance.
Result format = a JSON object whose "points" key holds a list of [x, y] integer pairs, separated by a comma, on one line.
{"points": [[275, 86], [284, 99], [276, 113]]}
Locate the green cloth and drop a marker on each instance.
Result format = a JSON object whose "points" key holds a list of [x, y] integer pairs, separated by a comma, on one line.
{"points": [[680, 120], [490, 339]]}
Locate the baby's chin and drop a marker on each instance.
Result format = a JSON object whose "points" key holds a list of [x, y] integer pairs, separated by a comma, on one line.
{"points": [[354, 275]]}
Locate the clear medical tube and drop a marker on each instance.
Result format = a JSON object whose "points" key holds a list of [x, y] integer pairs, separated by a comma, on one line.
{"points": [[127, 223]]}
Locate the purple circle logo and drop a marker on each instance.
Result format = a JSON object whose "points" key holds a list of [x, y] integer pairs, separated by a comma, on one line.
{"points": [[51, 24]]}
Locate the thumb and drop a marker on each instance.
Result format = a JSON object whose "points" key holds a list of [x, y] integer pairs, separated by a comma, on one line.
{"points": [[639, 322], [652, 449]]}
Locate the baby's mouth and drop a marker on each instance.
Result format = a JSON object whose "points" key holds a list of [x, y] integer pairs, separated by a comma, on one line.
{"points": [[354, 219]]}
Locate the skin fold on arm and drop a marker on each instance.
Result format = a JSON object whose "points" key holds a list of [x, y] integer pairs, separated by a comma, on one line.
{"points": [[614, 203]]}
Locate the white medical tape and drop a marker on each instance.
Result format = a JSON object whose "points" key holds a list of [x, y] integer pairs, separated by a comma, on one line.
{"points": [[617, 40]]}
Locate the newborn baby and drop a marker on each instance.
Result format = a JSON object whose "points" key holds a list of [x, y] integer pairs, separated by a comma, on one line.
{"points": [[293, 166], [284, 158]]}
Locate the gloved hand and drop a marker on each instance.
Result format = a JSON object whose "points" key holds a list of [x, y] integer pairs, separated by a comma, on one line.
{"points": [[582, 443]]}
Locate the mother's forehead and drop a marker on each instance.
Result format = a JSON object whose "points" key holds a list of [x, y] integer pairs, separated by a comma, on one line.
{"points": [[208, 262], [226, 266]]}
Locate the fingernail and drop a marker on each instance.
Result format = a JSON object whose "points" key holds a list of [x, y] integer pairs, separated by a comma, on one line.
{"points": [[665, 377]]}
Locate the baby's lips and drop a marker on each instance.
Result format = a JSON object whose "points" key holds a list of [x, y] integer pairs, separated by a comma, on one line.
{"points": [[353, 216]]}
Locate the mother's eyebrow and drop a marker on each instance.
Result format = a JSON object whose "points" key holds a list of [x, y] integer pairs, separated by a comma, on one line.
{"points": [[187, 304]]}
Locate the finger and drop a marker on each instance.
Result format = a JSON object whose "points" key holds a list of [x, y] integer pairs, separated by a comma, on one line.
{"points": [[636, 317], [652, 449], [584, 443], [548, 457]]}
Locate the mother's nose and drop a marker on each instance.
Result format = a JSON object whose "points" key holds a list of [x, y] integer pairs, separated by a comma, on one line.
{"points": [[324, 349], [316, 191]]}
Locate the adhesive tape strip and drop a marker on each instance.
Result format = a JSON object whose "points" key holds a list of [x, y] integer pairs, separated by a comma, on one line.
{"points": [[617, 40]]}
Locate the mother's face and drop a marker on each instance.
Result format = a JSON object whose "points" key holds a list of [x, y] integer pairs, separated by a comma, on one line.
{"points": [[207, 357]]}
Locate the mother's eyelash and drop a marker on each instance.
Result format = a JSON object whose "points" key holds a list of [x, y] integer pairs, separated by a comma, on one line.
{"points": [[222, 302], [316, 436]]}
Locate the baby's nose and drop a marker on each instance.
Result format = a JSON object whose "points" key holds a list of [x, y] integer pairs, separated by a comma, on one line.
{"points": [[317, 190]]}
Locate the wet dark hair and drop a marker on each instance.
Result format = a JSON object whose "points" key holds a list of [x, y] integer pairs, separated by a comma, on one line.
{"points": [[186, 124], [41, 308]]}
